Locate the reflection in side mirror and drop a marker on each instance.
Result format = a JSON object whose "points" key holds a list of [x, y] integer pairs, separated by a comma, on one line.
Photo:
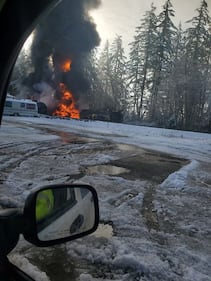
{"points": [[61, 213]]}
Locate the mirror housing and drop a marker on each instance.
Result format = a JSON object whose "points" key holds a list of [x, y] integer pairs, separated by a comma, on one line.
{"points": [[60, 213]]}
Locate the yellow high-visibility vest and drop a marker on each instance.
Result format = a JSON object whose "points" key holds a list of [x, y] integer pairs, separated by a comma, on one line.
{"points": [[44, 204]]}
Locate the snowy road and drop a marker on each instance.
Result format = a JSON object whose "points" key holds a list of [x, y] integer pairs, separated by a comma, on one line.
{"points": [[158, 205]]}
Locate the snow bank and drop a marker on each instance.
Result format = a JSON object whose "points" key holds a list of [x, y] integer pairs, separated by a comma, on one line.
{"points": [[130, 262], [190, 145], [178, 179], [29, 268]]}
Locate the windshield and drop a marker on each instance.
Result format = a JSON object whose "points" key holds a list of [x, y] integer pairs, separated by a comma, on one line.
{"points": [[153, 69], [116, 94]]}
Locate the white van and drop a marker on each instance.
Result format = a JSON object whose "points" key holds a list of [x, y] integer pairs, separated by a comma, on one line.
{"points": [[22, 107]]}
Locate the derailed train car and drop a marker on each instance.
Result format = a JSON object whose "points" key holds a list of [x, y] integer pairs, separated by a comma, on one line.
{"points": [[110, 116]]}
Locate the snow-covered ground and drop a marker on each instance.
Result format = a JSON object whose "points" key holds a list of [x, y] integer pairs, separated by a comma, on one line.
{"points": [[161, 229], [181, 143]]}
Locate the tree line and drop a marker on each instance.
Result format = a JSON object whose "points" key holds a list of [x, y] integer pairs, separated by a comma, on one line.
{"points": [[166, 80]]}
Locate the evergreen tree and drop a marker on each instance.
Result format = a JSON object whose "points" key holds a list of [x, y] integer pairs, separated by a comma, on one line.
{"points": [[142, 59], [105, 70], [118, 74], [164, 61], [23, 67], [198, 67], [176, 82], [98, 99], [112, 74]]}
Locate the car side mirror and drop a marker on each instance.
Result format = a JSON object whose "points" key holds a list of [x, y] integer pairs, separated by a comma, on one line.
{"points": [[60, 213]]}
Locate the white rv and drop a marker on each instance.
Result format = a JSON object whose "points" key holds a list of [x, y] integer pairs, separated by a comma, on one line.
{"points": [[22, 107]]}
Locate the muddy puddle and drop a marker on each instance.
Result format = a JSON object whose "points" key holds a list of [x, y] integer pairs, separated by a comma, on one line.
{"points": [[132, 163], [150, 166], [56, 263], [67, 137]]}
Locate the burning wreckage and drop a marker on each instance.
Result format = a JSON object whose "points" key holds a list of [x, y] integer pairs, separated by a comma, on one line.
{"points": [[59, 52]]}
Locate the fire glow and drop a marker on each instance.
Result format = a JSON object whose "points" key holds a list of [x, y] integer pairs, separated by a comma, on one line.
{"points": [[66, 66], [67, 106]]}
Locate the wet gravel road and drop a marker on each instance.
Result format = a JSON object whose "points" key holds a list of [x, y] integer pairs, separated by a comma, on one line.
{"points": [[69, 158]]}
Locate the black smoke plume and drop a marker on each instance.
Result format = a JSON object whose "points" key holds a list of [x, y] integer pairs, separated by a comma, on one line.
{"points": [[67, 33]]}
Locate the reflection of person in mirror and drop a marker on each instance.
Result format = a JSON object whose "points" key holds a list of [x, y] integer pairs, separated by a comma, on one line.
{"points": [[44, 204], [52, 204]]}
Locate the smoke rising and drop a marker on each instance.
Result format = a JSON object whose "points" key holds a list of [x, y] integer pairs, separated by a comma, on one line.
{"points": [[67, 33]]}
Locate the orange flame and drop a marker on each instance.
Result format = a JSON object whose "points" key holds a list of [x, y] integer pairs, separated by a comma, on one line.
{"points": [[66, 66], [67, 106]]}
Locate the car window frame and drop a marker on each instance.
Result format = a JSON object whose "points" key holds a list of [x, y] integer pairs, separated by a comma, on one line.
{"points": [[17, 18]]}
